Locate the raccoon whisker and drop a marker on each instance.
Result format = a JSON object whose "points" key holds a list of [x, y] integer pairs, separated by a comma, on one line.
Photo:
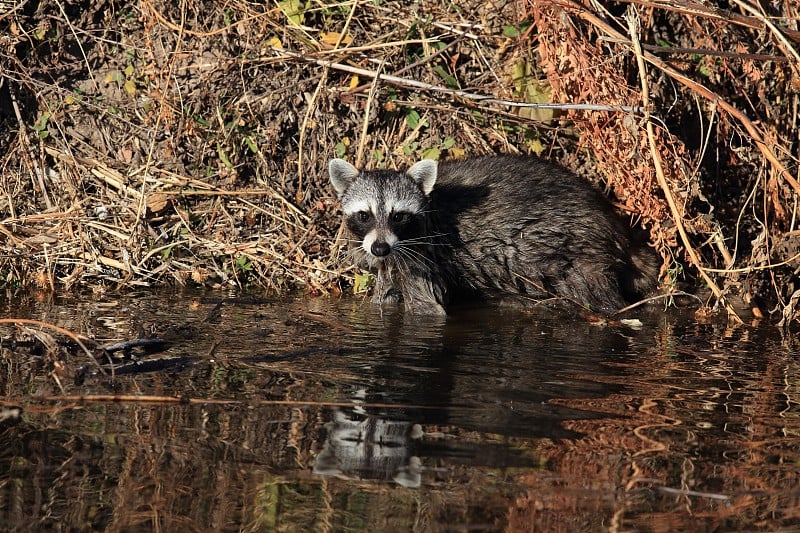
{"points": [[427, 240], [416, 256], [356, 255], [408, 255], [410, 261], [423, 238], [352, 251]]}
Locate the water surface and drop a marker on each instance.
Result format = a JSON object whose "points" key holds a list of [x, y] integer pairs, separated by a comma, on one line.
{"points": [[326, 414]]}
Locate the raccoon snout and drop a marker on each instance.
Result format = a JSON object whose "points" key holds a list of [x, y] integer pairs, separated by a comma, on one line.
{"points": [[380, 249]]}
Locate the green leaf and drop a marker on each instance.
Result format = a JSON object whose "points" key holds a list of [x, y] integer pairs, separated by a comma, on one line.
{"points": [[243, 264], [251, 144], [223, 156], [448, 78], [293, 10], [431, 153], [40, 126], [412, 119], [340, 149], [516, 31], [704, 69], [409, 149], [510, 31]]}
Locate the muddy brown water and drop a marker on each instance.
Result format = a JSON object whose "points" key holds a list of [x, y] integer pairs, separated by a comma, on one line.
{"points": [[325, 414]]}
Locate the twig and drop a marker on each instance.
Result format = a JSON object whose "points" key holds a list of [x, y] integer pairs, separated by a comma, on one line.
{"points": [[406, 82], [187, 31], [695, 493], [755, 133], [54, 328], [700, 51], [137, 399], [653, 299], [365, 125], [312, 107], [80, 46], [783, 43], [422, 61], [696, 9], [633, 28], [462, 33]]}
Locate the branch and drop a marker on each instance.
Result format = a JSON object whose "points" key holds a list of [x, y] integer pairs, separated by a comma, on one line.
{"points": [[416, 84]]}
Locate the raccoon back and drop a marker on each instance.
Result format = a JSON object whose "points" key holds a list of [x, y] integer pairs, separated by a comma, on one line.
{"points": [[522, 225]]}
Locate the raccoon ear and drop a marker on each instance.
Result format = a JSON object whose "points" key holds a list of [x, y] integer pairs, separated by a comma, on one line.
{"points": [[424, 174], [341, 174]]}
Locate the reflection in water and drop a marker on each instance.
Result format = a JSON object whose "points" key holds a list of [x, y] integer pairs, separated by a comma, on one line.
{"points": [[328, 415], [370, 447]]}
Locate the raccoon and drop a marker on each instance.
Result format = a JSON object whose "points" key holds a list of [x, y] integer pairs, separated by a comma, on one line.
{"points": [[490, 226]]}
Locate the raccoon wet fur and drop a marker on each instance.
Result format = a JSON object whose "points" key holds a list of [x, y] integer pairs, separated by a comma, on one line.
{"points": [[486, 227]]}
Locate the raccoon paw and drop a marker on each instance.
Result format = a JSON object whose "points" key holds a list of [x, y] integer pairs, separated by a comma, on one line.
{"points": [[425, 308], [392, 296]]}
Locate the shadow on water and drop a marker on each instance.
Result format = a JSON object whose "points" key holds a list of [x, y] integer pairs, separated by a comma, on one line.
{"points": [[328, 414]]}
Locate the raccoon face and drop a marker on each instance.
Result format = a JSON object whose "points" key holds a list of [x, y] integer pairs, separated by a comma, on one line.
{"points": [[383, 209]]}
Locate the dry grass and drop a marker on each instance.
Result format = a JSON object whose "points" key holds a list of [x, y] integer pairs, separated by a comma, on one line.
{"points": [[151, 143]]}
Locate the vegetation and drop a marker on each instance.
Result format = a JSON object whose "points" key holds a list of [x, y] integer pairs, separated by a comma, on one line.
{"points": [[152, 143]]}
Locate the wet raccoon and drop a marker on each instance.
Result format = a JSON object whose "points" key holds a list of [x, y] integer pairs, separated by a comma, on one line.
{"points": [[489, 226]]}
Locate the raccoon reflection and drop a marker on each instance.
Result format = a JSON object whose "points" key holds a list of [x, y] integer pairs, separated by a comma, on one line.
{"points": [[489, 226]]}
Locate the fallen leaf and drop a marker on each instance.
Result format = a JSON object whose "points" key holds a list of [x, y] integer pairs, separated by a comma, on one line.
{"points": [[332, 38]]}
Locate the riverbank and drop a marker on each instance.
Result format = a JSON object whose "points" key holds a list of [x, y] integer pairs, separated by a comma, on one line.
{"points": [[150, 144]]}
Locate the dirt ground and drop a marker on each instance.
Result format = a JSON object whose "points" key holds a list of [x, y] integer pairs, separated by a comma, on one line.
{"points": [[150, 143]]}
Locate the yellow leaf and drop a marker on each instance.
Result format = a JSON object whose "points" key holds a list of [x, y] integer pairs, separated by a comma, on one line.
{"points": [[532, 91], [362, 282], [333, 37], [457, 153], [130, 87], [274, 42], [353, 82], [536, 146]]}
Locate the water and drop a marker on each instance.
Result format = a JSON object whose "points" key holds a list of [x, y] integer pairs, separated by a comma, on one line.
{"points": [[324, 414]]}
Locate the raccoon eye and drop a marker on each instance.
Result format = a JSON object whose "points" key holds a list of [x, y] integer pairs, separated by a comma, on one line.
{"points": [[363, 216], [400, 218]]}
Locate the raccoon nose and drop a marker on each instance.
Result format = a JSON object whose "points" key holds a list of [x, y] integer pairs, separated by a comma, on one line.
{"points": [[380, 249]]}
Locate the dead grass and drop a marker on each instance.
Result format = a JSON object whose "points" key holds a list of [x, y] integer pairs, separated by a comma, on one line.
{"points": [[151, 143]]}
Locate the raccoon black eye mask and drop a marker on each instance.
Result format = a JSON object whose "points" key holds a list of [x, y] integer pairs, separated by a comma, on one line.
{"points": [[487, 227]]}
